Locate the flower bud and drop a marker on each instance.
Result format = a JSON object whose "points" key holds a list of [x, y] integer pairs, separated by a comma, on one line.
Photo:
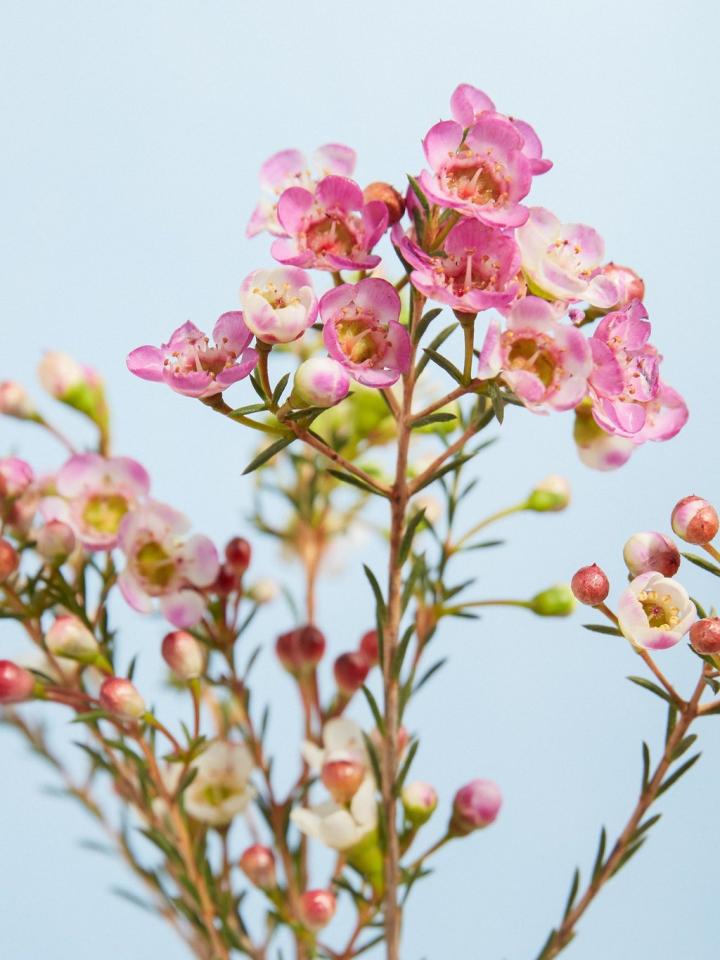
{"points": [[342, 778], [55, 541], [596, 448], [419, 802], [629, 285], [351, 670], [317, 908], [74, 384], [226, 582], [16, 683], [705, 636], [553, 493], [286, 650], [590, 585], [310, 646], [264, 591], [389, 196], [258, 865], [556, 601], [651, 551], [15, 401], [369, 646], [183, 654], [476, 805], [695, 520], [9, 560], [237, 555], [121, 697], [69, 637], [15, 477], [319, 382]]}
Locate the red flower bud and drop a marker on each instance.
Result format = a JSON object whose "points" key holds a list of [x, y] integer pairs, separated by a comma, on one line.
{"points": [[121, 697], [705, 636], [237, 554], [258, 865], [351, 670], [317, 908], [183, 654], [9, 560], [226, 582], [343, 778], [16, 683], [695, 520], [369, 646], [590, 585], [310, 645], [286, 649], [644, 552], [389, 196]]}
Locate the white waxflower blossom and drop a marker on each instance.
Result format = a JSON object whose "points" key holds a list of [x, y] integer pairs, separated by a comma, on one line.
{"points": [[222, 786]]}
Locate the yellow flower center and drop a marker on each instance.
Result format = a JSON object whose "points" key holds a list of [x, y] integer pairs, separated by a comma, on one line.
{"points": [[659, 610], [155, 565], [104, 512]]}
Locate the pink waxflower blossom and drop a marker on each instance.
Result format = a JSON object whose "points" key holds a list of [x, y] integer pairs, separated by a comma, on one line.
{"points": [[596, 448], [289, 168], [629, 399], [93, 494], [16, 476], [481, 172], [278, 305], [468, 104], [362, 332], [478, 269], [628, 284], [562, 261], [476, 805], [164, 563], [545, 362], [655, 612], [190, 365], [330, 229]]}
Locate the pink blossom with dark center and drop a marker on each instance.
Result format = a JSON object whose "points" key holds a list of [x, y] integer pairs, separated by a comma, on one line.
{"points": [[190, 364], [330, 229]]}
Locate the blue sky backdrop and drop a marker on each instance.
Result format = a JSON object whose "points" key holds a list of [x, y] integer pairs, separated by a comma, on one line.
{"points": [[132, 136]]}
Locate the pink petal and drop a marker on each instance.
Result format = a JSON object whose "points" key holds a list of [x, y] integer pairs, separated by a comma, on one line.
{"points": [[133, 593], [201, 561], [467, 103], [184, 608], [146, 363], [339, 194], [231, 332], [281, 167], [293, 206], [441, 141], [335, 158]]}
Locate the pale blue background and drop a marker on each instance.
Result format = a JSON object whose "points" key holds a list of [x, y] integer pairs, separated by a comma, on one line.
{"points": [[132, 133]]}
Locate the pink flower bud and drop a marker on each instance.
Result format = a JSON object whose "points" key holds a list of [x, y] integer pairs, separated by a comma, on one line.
{"points": [[317, 908], [16, 683], [9, 560], [476, 805], [705, 636], [15, 477], [388, 195], [419, 802], [237, 555], [369, 646], [69, 637], [651, 551], [15, 401], [258, 865], [342, 778], [628, 284], [590, 585], [552, 494], [319, 382], [121, 697], [55, 541], [183, 654], [351, 670], [695, 520]]}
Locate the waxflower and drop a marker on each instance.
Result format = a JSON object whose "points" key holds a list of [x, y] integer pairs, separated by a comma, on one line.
{"points": [[545, 362], [9, 559], [651, 551], [590, 585], [221, 788], [351, 670], [69, 637], [55, 541], [93, 494], [319, 382], [387, 194], [557, 601], [551, 494], [562, 260], [15, 401], [121, 697], [596, 448], [481, 172], [164, 563], [74, 384], [705, 636], [258, 865], [468, 104], [362, 332], [289, 168], [655, 612], [695, 520], [16, 683], [419, 802], [190, 365], [477, 269], [317, 908], [628, 284], [183, 654], [278, 305], [16, 476], [476, 805], [330, 229]]}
